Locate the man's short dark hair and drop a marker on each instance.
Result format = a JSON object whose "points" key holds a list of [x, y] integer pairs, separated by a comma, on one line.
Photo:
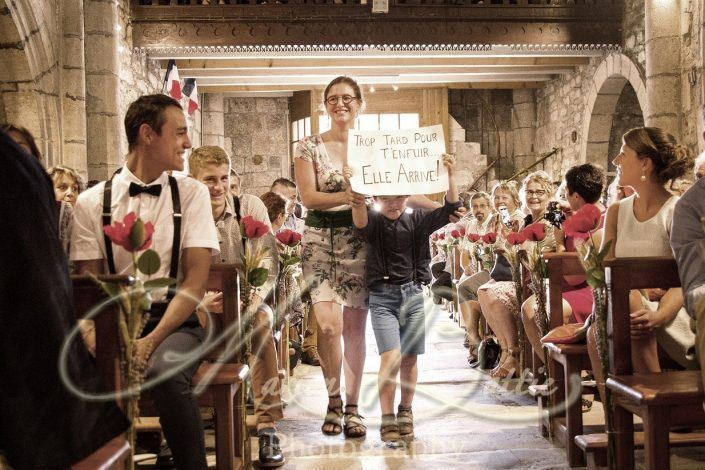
{"points": [[147, 109], [587, 180], [283, 182]]}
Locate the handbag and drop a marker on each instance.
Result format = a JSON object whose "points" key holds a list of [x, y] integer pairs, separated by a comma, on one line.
{"points": [[567, 334], [488, 353], [502, 270]]}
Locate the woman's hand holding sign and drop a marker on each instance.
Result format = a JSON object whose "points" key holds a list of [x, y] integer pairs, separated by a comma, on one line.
{"points": [[351, 197]]}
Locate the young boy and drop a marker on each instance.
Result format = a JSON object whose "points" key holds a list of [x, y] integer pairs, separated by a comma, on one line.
{"points": [[395, 270]]}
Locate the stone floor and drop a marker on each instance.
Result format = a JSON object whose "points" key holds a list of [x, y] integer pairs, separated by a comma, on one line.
{"points": [[463, 420]]}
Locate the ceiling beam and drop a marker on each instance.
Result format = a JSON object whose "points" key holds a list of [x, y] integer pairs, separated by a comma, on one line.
{"points": [[264, 89]]}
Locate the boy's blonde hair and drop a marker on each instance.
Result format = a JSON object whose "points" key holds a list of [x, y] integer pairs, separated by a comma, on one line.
{"points": [[207, 155]]}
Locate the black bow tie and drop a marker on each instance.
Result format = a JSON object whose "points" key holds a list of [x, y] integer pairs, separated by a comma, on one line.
{"points": [[137, 189]]}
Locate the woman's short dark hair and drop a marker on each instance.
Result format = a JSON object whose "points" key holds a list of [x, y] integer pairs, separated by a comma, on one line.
{"points": [[34, 150], [147, 109], [587, 180], [275, 204]]}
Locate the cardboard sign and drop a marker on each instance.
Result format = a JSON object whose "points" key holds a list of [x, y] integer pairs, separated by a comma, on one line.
{"points": [[390, 163]]}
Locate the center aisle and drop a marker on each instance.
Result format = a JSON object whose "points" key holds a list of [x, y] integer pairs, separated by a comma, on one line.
{"points": [[462, 419]]}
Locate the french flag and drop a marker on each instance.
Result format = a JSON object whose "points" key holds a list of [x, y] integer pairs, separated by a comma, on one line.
{"points": [[172, 85], [190, 91]]}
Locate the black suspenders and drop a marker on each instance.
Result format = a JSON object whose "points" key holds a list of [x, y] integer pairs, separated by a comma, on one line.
{"points": [[176, 245]]}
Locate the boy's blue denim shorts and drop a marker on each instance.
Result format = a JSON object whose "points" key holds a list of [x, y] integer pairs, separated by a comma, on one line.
{"points": [[397, 314]]}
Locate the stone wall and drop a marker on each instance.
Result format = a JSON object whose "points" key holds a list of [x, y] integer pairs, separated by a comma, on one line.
{"points": [[633, 33], [256, 137], [627, 115], [138, 75], [693, 74], [560, 107], [486, 116]]}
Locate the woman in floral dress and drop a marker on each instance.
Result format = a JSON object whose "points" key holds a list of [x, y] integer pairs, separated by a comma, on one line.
{"points": [[333, 258]]}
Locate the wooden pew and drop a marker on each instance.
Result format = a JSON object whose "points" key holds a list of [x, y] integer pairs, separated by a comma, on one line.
{"points": [[662, 400], [565, 362], [225, 391], [113, 453]]}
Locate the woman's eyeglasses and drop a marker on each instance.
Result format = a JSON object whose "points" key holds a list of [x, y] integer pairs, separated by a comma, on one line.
{"points": [[346, 99], [537, 192]]}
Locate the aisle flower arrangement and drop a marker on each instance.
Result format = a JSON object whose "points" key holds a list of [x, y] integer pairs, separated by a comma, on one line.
{"points": [[288, 290], [582, 226], [134, 302], [253, 273]]}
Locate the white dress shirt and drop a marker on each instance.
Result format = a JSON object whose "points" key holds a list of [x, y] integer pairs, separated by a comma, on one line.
{"points": [[197, 228]]}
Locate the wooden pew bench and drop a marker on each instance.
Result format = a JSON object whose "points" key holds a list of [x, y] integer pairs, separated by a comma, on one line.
{"points": [[226, 388], [565, 363], [111, 456], [661, 400]]}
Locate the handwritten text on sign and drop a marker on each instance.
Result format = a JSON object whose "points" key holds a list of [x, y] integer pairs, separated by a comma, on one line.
{"points": [[387, 163]]}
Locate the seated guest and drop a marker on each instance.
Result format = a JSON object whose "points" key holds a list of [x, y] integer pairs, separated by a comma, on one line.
{"points": [[67, 186], [287, 189], [211, 166], [688, 243], [498, 300], [473, 222], [64, 209], [584, 185], [43, 424], [157, 136], [505, 198], [235, 186], [276, 209], [640, 225], [24, 138]]}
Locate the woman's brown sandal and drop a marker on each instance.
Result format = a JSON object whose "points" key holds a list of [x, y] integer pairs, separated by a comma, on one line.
{"points": [[389, 429], [505, 373], [332, 421], [405, 421], [353, 423]]}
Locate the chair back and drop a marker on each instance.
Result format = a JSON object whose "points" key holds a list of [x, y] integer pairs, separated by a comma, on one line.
{"points": [[622, 275]]}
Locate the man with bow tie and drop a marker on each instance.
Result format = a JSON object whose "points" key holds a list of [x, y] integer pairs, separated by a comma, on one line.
{"points": [[184, 237]]}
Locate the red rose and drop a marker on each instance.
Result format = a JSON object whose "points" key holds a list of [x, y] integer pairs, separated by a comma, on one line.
{"points": [[535, 232], [461, 230], [289, 237], [455, 234], [516, 238], [434, 237], [132, 233], [587, 218], [253, 228], [474, 237], [489, 238], [442, 236]]}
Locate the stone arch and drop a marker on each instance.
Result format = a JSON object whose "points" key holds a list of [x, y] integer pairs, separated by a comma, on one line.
{"points": [[28, 85], [612, 75]]}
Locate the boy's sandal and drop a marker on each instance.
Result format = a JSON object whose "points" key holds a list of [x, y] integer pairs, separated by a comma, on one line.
{"points": [[389, 429], [405, 421], [332, 421], [353, 423], [472, 353]]}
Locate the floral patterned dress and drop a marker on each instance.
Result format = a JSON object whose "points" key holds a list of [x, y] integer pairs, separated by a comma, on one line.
{"points": [[333, 260]]}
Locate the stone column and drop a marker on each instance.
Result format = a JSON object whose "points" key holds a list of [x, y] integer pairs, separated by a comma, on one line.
{"points": [[104, 128], [663, 65], [213, 124], [523, 126], [73, 87]]}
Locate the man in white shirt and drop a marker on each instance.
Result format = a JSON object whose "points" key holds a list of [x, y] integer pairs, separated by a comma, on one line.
{"points": [[157, 137]]}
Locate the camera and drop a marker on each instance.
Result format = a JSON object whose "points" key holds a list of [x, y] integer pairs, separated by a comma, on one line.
{"points": [[554, 214]]}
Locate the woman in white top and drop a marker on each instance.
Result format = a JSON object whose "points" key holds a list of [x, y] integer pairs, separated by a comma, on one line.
{"points": [[639, 225]]}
